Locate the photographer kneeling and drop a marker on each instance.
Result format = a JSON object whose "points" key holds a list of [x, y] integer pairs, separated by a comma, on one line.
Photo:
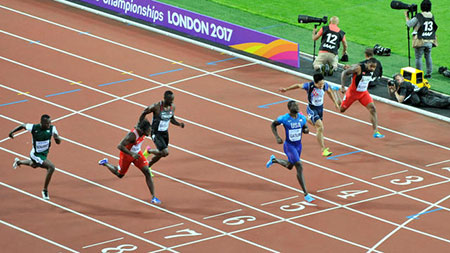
{"points": [[407, 93]]}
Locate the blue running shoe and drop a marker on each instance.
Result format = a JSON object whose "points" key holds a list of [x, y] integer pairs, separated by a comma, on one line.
{"points": [[155, 200], [309, 198], [270, 162], [103, 161], [378, 135]]}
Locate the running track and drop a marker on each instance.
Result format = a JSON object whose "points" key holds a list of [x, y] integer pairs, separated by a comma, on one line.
{"points": [[94, 76]]}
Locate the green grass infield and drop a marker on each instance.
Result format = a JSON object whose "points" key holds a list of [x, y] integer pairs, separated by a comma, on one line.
{"points": [[366, 23]]}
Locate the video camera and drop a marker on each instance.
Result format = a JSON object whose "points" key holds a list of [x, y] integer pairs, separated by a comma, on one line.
{"points": [[308, 19], [398, 5]]}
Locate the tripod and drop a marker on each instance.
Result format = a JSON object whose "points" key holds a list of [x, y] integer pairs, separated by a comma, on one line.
{"points": [[314, 52], [413, 14]]}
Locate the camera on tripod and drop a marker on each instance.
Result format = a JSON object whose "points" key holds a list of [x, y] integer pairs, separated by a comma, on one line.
{"points": [[398, 5], [304, 19]]}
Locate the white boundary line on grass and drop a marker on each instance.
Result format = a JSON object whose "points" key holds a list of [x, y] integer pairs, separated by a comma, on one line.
{"points": [[212, 129], [189, 93], [273, 66], [229, 135], [37, 236], [230, 53]]}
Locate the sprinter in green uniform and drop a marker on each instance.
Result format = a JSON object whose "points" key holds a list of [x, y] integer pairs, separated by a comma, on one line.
{"points": [[42, 134]]}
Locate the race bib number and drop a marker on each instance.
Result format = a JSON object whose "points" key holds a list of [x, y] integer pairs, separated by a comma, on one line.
{"points": [[42, 146], [364, 83], [317, 101], [163, 125], [136, 148], [295, 134]]}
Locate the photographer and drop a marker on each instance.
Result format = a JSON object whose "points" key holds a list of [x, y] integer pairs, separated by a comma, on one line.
{"points": [[403, 91], [332, 36], [407, 93], [424, 35]]}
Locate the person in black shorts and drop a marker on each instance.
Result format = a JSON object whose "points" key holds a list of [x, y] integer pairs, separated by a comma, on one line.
{"points": [[163, 114]]}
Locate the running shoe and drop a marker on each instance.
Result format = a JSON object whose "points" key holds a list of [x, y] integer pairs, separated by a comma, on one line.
{"points": [[326, 152], [156, 201], [146, 153], [103, 161], [45, 195], [270, 162], [150, 170], [309, 198], [16, 163], [378, 135]]}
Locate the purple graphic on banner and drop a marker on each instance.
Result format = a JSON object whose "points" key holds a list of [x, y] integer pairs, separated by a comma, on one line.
{"points": [[205, 27]]}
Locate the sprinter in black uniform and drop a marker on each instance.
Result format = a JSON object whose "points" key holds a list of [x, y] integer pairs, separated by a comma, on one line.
{"points": [[163, 114]]}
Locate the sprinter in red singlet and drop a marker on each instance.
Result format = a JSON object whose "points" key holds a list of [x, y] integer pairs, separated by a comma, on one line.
{"points": [[361, 76], [130, 152]]}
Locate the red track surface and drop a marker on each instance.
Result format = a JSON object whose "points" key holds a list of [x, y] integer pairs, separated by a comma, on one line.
{"points": [[217, 194]]}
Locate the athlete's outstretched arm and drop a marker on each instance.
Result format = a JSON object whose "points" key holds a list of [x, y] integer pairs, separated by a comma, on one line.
{"points": [[275, 132], [292, 87], [18, 128], [333, 98]]}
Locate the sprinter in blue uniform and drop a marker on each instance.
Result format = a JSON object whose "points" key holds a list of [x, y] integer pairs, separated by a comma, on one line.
{"points": [[294, 124]]}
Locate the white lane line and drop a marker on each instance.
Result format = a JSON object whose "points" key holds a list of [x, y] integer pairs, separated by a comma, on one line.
{"points": [[201, 70], [221, 214], [207, 191], [215, 161], [212, 129], [166, 227], [390, 174], [334, 187], [78, 213], [141, 201], [275, 201], [37, 236], [232, 167], [432, 164], [314, 230], [189, 93], [100, 243], [404, 224]]}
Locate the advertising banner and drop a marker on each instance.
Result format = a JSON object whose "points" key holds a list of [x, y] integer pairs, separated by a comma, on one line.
{"points": [[205, 27]]}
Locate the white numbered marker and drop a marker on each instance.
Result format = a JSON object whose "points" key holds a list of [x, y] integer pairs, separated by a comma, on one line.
{"points": [[183, 232], [238, 220], [294, 207], [351, 193], [120, 249], [408, 180]]}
